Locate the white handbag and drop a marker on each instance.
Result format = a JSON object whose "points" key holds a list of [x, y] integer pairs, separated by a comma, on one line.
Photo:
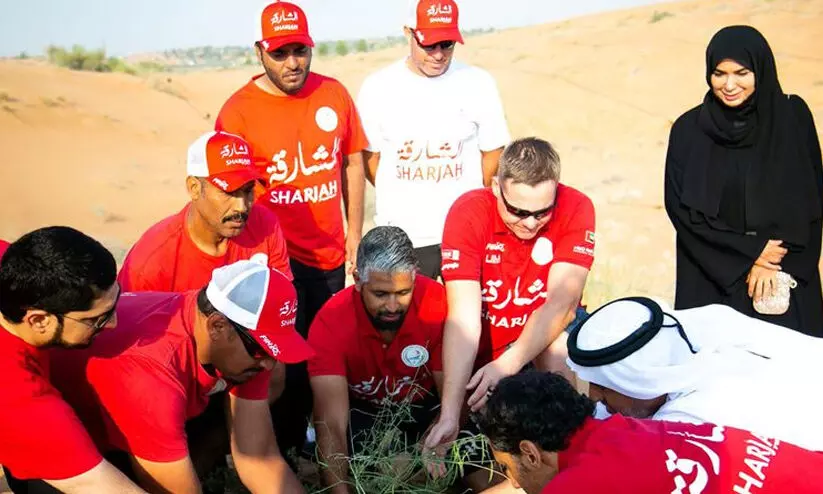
{"points": [[778, 303]]}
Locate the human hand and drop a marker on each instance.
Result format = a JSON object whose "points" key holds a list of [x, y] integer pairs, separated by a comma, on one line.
{"points": [[484, 380], [352, 242], [441, 435], [772, 255], [762, 282]]}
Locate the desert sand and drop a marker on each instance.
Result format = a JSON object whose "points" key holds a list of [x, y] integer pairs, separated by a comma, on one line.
{"points": [[106, 152]]}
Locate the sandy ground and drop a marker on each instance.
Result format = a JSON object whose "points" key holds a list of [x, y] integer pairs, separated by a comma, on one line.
{"points": [[105, 152]]}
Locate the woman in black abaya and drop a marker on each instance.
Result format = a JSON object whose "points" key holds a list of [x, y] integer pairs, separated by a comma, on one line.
{"points": [[743, 187]]}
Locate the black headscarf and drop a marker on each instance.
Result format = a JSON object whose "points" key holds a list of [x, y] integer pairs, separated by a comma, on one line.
{"points": [[781, 197]]}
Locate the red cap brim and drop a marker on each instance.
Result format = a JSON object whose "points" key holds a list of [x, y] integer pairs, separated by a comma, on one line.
{"points": [[432, 36], [292, 347], [276, 42], [236, 179]]}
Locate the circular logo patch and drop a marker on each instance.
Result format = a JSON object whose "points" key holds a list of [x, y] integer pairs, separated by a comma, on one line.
{"points": [[415, 356], [326, 118], [543, 251]]}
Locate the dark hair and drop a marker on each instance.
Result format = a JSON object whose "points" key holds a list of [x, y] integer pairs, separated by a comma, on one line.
{"points": [[541, 407], [56, 269], [529, 161], [204, 305]]}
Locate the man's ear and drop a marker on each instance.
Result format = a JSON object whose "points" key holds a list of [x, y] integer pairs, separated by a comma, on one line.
{"points": [[530, 455], [496, 186], [40, 321], [259, 50], [194, 187], [356, 276]]}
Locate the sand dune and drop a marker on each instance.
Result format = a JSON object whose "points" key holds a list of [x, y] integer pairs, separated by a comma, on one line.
{"points": [[105, 152]]}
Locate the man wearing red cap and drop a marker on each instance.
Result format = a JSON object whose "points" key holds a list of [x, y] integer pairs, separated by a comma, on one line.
{"points": [[168, 355], [306, 136], [435, 127], [219, 226]]}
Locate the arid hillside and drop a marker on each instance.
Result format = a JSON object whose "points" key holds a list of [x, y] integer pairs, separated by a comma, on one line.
{"points": [[105, 152]]}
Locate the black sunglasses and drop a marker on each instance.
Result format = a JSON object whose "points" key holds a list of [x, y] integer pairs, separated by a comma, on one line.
{"points": [[249, 343], [443, 45], [103, 318], [524, 213]]}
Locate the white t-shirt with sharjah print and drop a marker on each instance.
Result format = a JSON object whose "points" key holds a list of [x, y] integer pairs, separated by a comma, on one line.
{"points": [[430, 133]]}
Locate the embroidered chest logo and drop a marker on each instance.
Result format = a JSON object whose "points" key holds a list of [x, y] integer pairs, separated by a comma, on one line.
{"points": [[414, 356]]}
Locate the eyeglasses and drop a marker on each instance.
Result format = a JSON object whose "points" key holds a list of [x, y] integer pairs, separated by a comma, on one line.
{"points": [[443, 45], [249, 343], [101, 320], [524, 213]]}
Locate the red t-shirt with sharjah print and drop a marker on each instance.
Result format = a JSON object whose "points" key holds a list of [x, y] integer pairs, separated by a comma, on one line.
{"points": [[137, 385], [166, 259], [628, 456], [512, 273], [299, 143], [347, 344]]}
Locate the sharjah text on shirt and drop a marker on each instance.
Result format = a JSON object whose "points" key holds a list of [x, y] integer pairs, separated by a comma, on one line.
{"points": [[429, 161], [371, 390], [749, 480], [280, 173], [490, 295]]}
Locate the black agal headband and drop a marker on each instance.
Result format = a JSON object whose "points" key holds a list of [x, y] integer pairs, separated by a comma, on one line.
{"points": [[627, 346]]}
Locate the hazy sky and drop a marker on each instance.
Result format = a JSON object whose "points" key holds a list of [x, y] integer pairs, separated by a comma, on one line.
{"points": [[152, 25]]}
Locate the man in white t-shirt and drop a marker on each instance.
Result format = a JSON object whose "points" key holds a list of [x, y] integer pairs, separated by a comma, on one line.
{"points": [[435, 127]]}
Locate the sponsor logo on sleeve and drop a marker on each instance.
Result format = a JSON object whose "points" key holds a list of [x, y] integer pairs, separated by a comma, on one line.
{"points": [[450, 255], [586, 251], [590, 237]]}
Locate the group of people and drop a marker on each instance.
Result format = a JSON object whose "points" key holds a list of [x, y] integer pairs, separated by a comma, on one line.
{"points": [[228, 327]]}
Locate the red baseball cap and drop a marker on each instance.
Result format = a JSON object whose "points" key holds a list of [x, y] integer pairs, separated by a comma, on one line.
{"points": [[263, 301], [224, 159], [283, 23], [434, 21]]}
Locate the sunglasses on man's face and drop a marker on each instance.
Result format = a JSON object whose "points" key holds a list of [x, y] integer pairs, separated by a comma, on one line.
{"points": [[525, 213], [443, 45], [249, 343], [100, 321]]}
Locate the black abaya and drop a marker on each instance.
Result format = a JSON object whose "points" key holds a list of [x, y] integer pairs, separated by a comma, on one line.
{"points": [[726, 198]]}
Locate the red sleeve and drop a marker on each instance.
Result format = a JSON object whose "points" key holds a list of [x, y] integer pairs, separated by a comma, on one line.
{"points": [[355, 140], [256, 388], [437, 308], [575, 244], [329, 358], [230, 119], [42, 438], [138, 274], [464, 240], [3, 246], [146, 417]]}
